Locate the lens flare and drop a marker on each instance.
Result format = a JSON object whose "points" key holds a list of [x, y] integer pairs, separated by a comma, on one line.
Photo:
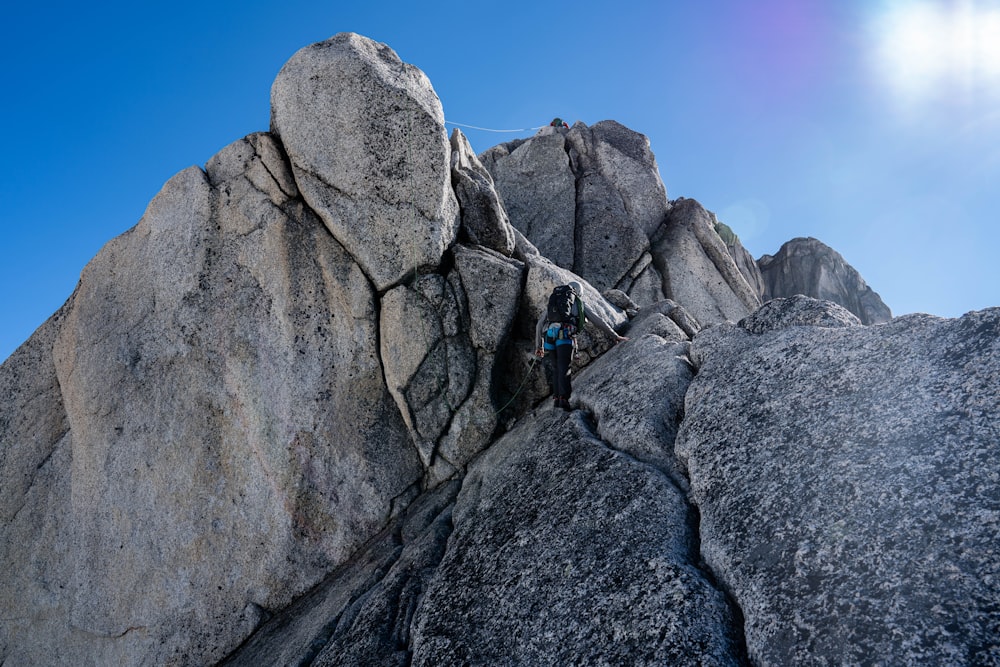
{"points": [[929, 49]]}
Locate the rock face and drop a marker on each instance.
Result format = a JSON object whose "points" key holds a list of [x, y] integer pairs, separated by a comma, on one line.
{"points": [[807, 266], [558, 548], [365, 135], [847, 482], [293, 417], [591, 200]]}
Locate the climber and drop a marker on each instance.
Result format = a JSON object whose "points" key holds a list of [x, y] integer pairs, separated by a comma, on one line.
{"points": [[556, 332], [559, 122]]}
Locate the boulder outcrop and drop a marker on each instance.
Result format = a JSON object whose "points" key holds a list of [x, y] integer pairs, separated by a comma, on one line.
{"points": [[293, 417], [847, 482], [365, 136], [591, 200], [808, 267]]}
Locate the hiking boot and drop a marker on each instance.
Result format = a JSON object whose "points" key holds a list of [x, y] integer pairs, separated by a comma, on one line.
{"points": [[564, 404]]}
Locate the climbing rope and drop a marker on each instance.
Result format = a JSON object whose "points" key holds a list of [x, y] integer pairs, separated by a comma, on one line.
{"points": [[534, 360], [487, 129]]}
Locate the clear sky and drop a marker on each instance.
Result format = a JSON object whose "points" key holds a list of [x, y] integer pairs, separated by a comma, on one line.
{"points": [[872, 125]]}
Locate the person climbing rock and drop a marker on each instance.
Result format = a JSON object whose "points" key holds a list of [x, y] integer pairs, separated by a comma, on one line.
{"points": [[555, 333], [560, 123]]}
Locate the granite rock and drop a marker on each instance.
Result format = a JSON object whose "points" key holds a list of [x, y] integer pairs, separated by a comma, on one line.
{"points": [[848, 485], [484, 218], [808, 267], [365, 135]]}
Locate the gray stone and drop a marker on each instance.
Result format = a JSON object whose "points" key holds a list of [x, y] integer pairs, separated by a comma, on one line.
{"points": [[366, 138], [439, 341], [538, 189], [567, 552], [248, 445], [588, 198], [636, 394], [798, 311], [361, 614], [608, 242], [492, 288], [808, 267], [620, 200], [697, 269], [665, 319], [847, 482], [36, 525], [625, 161], [484, 219]]}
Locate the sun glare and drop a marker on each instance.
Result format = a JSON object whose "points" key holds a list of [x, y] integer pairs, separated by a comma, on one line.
{"points": [[928, 47]]}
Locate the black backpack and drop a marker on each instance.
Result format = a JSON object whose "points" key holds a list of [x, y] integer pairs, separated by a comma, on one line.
{"points": [[561, 304]]}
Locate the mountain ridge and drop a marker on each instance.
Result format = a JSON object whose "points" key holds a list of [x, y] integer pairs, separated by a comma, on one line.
{"points": [[293, 416]]}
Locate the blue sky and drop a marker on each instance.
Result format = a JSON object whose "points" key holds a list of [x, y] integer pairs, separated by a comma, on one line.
{"points": [[871, 125]]}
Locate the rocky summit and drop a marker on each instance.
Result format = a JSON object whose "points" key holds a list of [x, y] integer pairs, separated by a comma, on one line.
{"points": [[293, 416]]}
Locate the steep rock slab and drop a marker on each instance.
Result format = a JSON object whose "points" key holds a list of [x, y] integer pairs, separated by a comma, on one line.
{"points": [[232, 435], [362, 613], [698, 271], [484, 219], [811, 268], [36, 528], [366, 137], [538, 189], [847, 480], [567, 552]]}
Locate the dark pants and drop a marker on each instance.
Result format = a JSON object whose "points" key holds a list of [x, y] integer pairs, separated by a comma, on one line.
{"points": [[557, 363]]}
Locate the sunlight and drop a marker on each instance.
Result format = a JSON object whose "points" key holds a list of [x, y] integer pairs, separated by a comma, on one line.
{"points": [[925, 48]]}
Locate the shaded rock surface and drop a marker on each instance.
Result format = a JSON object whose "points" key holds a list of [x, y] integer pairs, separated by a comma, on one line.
{"points": [[847, 481], [567, 552], [558, 549], [808, 267]]}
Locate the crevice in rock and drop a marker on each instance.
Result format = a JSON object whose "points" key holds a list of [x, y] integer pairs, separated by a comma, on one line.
{"points": [[737, 628], [697, 558], [35, 473], [405, 598], [693, 517]]}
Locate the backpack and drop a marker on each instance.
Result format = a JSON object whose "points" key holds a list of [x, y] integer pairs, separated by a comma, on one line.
{"points": [[560, 307]]}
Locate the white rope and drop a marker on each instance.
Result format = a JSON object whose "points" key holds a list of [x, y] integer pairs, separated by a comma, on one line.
{"points": [[486, 129]]}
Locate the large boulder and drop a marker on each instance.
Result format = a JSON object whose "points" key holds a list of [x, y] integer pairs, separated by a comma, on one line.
{"points": [[588, 198], [366, 138], [846, 479], [227, 435], [811, 268]]}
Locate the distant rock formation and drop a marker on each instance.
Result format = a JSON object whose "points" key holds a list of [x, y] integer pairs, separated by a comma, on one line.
{"points": [[808, 267], [293, 417]]}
